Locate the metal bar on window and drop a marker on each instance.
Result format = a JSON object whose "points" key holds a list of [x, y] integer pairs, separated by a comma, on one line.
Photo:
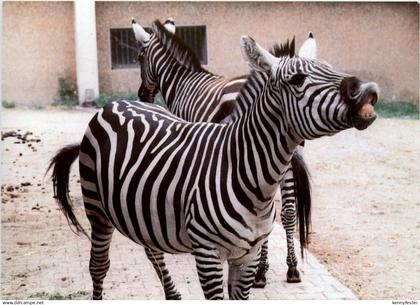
{"points": [[127, 48]]}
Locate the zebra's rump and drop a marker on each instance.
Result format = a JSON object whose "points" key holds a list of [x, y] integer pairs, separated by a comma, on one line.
{"points": [[124, 153]]}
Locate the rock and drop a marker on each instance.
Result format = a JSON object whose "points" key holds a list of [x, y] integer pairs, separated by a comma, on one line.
{"points": [[21, 243], [8, 134]]}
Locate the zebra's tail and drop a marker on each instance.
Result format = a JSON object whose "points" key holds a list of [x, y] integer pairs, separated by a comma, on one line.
{"points": [[61, 165], [303, 198]]}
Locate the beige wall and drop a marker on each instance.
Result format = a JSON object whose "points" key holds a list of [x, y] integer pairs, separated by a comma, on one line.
{"points": [[38, 46], [378, 41]]}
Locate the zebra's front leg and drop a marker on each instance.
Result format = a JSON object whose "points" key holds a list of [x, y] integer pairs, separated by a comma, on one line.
{"points": [[157, 259], [210, 272], [288, 219], [262, 268], [241, 278]]}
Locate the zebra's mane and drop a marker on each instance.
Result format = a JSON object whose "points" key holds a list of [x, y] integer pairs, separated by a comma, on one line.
{"points": [[255, 78], [178, 49], [285, 49]]}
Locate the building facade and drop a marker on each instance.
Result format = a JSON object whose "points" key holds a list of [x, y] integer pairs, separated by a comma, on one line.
{"points": [[375, 41]]}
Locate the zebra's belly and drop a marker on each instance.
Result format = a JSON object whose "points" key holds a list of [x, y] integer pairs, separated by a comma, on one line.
{"points": [[158, 225], [239, 255]]}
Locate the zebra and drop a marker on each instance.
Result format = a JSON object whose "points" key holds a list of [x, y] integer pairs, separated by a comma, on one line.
{"points": [[211, 107], [194, 94], [204, 188]]}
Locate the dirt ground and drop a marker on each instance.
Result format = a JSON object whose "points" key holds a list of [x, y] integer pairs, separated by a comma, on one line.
{"points": [[366, 200]]}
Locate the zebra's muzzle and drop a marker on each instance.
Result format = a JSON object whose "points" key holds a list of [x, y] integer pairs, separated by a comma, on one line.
{"points": [[363, 113]]}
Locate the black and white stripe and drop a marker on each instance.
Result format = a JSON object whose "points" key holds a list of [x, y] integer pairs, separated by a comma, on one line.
{"points": [[197, 95], [174, 186]]}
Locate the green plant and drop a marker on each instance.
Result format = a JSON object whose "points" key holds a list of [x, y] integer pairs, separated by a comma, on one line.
{"points": [[8, 104], [159, 100], [399, 109], [66, 93], [105, 98]]}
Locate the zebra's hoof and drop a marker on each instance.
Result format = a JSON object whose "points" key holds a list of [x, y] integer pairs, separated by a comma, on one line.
{"points": [[260, 283], [175, 296], [293, 275], [260, 280]]}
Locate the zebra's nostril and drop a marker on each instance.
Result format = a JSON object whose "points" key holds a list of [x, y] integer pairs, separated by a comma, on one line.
{"points": [[372, 98]]}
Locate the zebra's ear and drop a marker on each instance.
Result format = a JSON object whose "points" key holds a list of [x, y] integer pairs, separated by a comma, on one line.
{"points": [[257, 57], [169, 24], [308, 48], [141, 35]]}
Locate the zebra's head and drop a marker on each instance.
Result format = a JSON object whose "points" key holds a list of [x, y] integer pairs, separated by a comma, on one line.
{"points": [[159, 47], [315, 99], [147, 41]]}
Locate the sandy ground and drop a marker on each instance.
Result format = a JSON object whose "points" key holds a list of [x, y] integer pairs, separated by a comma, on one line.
{"points": [[366, 225]]}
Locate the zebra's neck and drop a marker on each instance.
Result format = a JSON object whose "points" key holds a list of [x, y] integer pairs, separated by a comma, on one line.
{"points": [[170, 75], [176, 82], [263, 142]]}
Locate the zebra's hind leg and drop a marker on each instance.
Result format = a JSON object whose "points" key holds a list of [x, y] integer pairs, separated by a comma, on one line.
{"points": [[99, 254], [157, 259], [260, 279], [102, 228], [288, 219]]}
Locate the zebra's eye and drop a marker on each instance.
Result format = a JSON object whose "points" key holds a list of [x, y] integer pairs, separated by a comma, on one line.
{"points": [[140, 55], [298, 79]]}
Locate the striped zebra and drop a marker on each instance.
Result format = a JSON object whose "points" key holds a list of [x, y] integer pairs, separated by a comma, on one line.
{"points": [[194, 94], [205, 188], [199, 96]]}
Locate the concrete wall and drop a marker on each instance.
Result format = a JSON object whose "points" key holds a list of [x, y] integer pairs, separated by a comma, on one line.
{"points": [[377, 41], [38, 46]]}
